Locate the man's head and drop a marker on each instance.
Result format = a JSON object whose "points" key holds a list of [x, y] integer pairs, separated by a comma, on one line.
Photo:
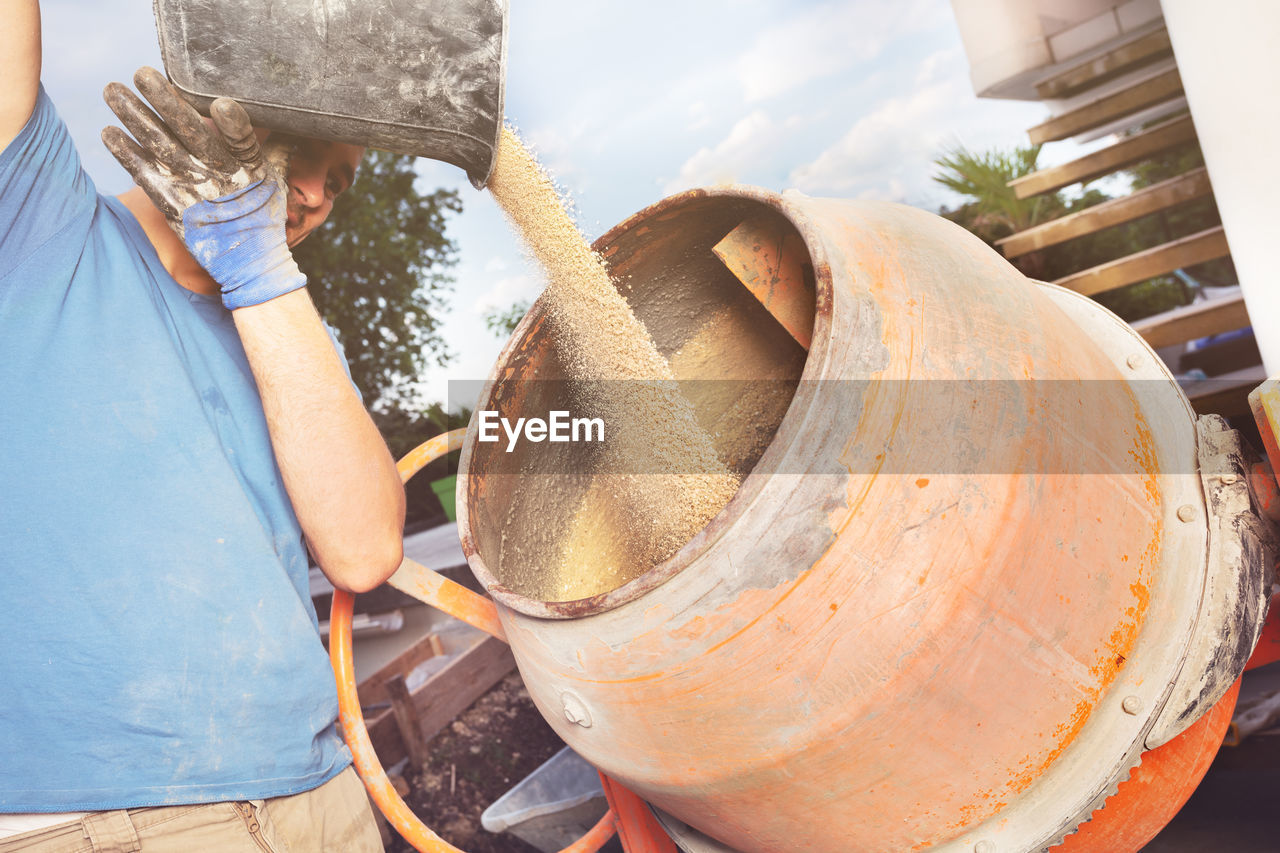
{"points": [[318, 172]]}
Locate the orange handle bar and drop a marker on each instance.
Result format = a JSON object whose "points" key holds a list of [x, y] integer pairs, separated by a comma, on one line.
{"points": [[432, 587]]}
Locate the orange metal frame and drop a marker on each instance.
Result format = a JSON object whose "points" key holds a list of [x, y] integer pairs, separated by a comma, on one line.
{"points": [[1157, 788], [628, 815], [1264, 401]]}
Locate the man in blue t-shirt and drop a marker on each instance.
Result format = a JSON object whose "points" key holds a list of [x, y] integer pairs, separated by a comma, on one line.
{"points": [[179, 429]]}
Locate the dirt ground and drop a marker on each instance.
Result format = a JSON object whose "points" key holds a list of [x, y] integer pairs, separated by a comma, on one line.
{"points": [[480, 756]]}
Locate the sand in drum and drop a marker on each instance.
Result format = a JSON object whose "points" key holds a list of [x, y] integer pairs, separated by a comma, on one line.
{"points": [[642, 512]]}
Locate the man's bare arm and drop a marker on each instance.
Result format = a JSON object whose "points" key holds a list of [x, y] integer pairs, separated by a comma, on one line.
{"points": [[337, 470], [19, 65]]}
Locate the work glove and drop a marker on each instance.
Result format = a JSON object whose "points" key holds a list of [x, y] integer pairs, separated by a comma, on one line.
{"points": [[223, 195]]}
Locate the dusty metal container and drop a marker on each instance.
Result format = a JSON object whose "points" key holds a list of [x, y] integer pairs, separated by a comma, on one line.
{"points": [[423, 78], [968, 582]]}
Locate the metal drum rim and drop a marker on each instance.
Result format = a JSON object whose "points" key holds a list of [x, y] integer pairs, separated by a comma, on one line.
{"points": [[788, 433]]}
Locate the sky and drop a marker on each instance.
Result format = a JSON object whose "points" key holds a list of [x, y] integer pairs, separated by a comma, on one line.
{"points": [[626, 103]]}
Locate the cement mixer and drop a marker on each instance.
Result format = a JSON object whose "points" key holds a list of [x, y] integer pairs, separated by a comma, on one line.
{"points": [[988, 583]]}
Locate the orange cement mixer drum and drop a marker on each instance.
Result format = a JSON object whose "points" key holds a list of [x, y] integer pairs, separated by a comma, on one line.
{"points": [[947, 604]]}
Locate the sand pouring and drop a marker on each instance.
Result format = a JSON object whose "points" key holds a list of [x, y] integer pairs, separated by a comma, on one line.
{"points": [[627, 520]]}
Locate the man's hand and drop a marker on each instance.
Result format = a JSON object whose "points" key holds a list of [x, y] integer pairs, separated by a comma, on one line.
{"points": [[219, 192]]}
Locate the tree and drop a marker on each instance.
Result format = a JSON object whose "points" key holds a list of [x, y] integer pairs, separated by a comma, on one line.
{"points": [[994, 211], [1185, 219], [378, 272], [503, 322]]}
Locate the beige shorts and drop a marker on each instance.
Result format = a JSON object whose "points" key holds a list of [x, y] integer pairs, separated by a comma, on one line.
{"points": [[336, 816]]}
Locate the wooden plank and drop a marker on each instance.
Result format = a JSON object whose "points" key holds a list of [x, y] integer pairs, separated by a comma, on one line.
{"points": [[1194, 321], [1166, 194], [373, 690], [443, 696], [768, 257], [1226, 395], [1147, 93], [1126, 152], [1141, 51], [1195, 249], [1223, 356], [403, 712]]}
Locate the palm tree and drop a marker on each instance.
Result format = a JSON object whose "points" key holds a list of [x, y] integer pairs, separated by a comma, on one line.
{"points": [[995, 211]]}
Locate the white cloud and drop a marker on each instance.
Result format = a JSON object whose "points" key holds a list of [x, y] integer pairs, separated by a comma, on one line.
{"points": [[941, 65], [505, 292], [495, 264], [899, 135], [888, 153], [557, 146], [699, 116], [892, 190], [828, 39], [749, 146]]}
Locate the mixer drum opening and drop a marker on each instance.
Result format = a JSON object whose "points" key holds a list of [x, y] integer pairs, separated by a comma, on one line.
{"points": [[726, 289]]}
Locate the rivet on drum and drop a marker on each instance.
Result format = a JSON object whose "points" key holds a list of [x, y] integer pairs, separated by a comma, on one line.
{"points": [[575, 710]]}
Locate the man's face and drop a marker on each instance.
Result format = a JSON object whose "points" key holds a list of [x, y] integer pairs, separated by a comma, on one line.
{"points": [[319, 171]]}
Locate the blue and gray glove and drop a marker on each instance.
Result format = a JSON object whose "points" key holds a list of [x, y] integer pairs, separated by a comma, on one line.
{"points": [[224, 197]]}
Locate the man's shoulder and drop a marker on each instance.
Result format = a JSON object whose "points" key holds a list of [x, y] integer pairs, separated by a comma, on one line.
{"points": [[44, 190]]}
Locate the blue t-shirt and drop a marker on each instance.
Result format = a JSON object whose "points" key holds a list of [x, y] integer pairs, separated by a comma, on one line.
{"points": [[160, 645]]}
